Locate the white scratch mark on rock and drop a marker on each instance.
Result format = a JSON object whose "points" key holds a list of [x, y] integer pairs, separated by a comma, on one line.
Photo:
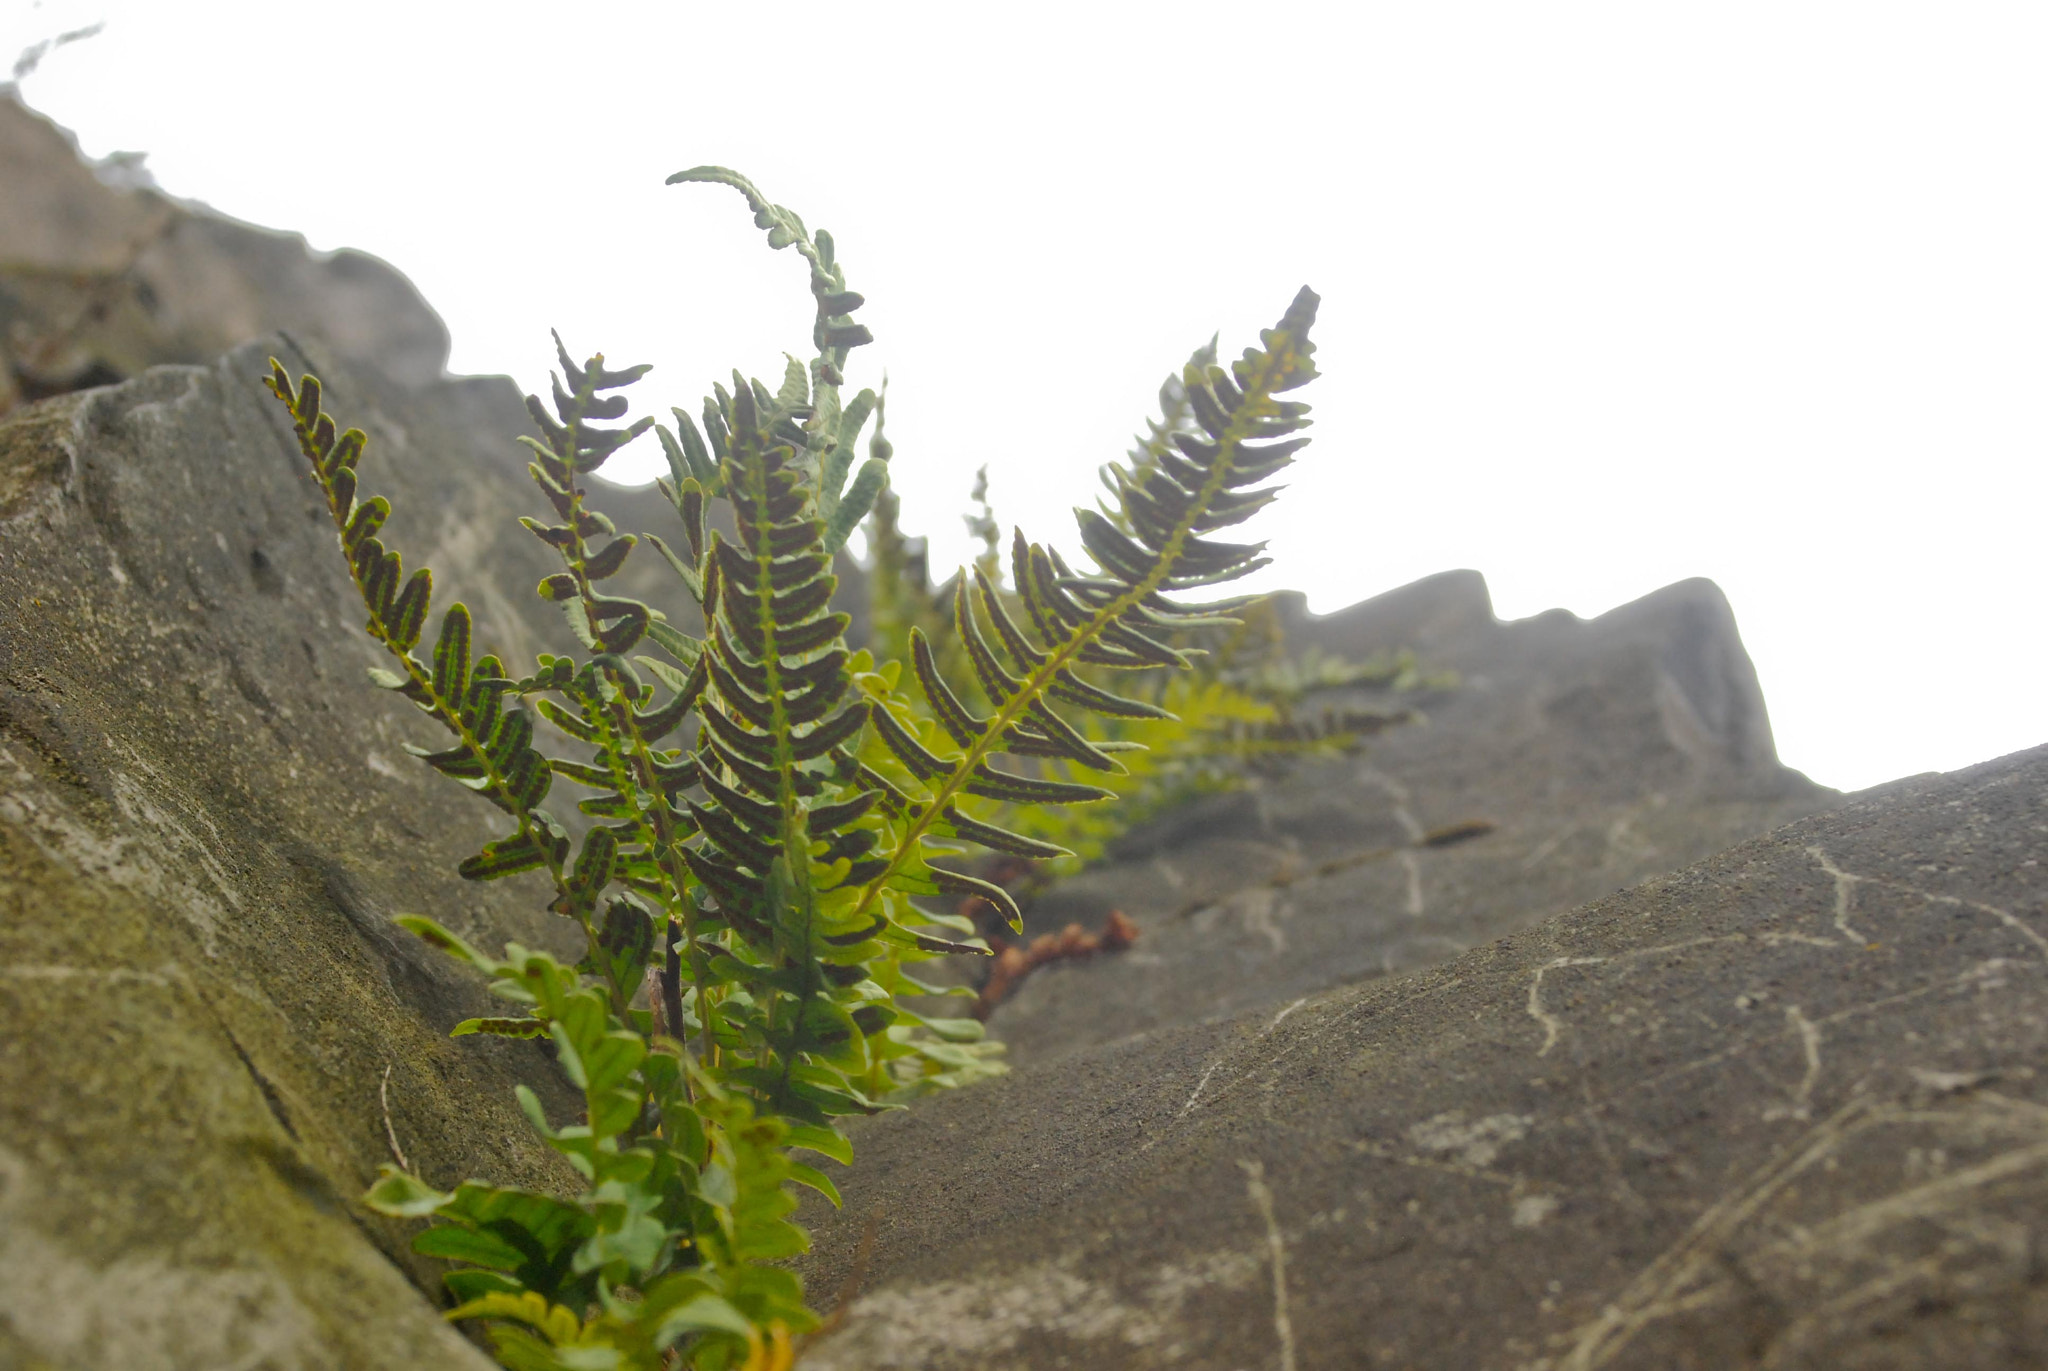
{"points": [[1552, 1025], [1398, 793], [1277, 1018], [1801, 1106], [1276, 1246], [1200, 1086], [1949, 1082], [1413, 867], [1532, 1210], [1772, 939], [1845, 893], [1687, 1276], [1545, 848], [2010, 920], [1624, 844], [1261, 910], [1844, 880]]}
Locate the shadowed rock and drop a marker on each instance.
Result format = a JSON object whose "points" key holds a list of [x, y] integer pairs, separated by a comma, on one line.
{"points": [[1783, 1108]]}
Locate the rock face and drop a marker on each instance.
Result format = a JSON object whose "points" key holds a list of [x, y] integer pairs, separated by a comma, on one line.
{"points": [[100, 281], [1573, 759], [1779, 1106], [207, 822], [1783, 1108]]}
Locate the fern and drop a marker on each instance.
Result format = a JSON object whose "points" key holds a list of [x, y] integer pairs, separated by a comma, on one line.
{"points": [[1118, 617], [768, 806]]}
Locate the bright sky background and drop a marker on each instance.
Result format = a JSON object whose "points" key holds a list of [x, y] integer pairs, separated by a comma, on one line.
{"points": [[1614, 294]]}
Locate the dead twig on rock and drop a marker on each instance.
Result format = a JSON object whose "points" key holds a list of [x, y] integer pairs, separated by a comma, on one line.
{"points": [[1014, 962]]}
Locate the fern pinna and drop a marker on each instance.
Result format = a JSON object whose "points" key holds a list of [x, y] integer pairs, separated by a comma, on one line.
{"points": [[763, 807]]}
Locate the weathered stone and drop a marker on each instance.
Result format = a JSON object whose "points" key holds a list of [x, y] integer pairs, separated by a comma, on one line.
{"points": [[206, 824], [99, 282], [1784, 1108], [207, 821], [1573, 759]]}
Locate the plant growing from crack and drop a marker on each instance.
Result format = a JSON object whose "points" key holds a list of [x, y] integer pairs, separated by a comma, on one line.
{"points": [[769, 806]]}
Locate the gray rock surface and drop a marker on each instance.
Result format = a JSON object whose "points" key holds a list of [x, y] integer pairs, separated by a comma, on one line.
{"points": [[1574, 758], [100, 281], [1784, 1108], [1779, 1106], [207, 820]]}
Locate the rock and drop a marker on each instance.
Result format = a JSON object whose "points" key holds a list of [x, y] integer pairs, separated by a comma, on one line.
{"points": [[207, 822], [101, 281], [1783, 1108], [1574, 758]]}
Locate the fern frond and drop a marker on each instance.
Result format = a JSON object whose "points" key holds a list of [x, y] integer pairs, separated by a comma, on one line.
{"points": [[494, 753], [1159, 545], [833, 431]]}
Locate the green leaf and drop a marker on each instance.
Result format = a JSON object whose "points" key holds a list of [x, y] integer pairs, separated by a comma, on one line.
{"points": [[959, 883], [796, 384], [529, 1104], [448, 942], [703, 1314], [828, 1142], [475, 1282], [579, 624], [559, 1324], [594, 864], [500, 1028], [403, 1195], [612, 1112], [692, 582], [451, 653], [856, 502], [675, 642], [455, 1242], [816, 1180], [508, 856], [611, 1059], [409, 612]]}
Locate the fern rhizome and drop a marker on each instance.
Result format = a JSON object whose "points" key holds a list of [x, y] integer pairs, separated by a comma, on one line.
{"points": [[768, 808]]}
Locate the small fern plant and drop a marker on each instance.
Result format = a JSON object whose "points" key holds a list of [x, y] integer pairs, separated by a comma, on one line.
{"points": [[764, 808]]}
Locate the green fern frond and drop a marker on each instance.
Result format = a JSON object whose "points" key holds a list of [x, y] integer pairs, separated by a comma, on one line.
{"points": [[1117, 617], [493, 753], [769, 810]]}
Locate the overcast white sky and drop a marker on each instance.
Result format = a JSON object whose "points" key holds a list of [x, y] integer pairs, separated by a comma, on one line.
{"points": [[1614, 294]]}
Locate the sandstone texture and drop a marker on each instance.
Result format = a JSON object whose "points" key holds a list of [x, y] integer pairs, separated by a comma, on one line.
{"points": [[1782, 1108]]}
